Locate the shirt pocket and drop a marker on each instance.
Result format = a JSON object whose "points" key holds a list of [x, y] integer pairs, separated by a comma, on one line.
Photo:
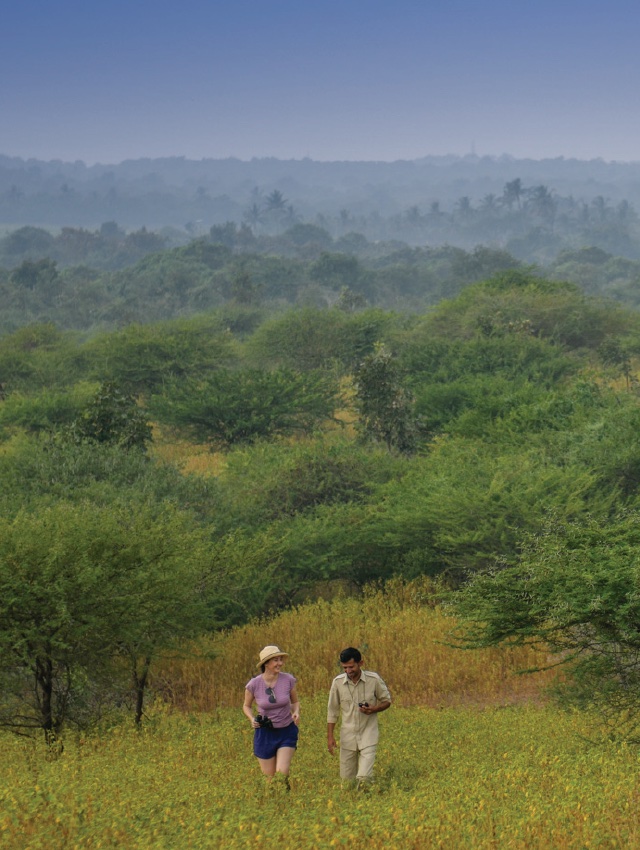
{"points": [[371, 697], [345, 701]]}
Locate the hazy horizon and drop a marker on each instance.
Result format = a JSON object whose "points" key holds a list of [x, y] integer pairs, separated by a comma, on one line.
{"points": [[333, 82], [504, 157]]}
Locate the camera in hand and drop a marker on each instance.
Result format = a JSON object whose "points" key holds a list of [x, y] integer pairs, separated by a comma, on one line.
{"points": [[363, 704], [264, 721]]}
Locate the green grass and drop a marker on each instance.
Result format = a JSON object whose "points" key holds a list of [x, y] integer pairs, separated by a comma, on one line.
{"points": [[515, 777]]}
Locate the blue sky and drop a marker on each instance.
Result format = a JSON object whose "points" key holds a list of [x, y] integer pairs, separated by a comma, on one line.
{"points": [[349, 80]]}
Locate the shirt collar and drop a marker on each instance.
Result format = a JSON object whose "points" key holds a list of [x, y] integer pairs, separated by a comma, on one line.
{"points": [[347, 681]]}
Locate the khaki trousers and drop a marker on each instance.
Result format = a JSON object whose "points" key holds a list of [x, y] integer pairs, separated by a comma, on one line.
{"points": [[357, 764]]}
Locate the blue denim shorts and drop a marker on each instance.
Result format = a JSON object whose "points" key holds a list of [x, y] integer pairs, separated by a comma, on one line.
{"points": [[267, 742]]}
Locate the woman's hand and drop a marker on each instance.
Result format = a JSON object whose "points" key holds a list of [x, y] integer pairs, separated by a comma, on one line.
{"points": [[295, 706]]}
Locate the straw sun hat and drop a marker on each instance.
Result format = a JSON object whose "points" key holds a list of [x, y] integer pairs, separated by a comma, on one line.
{"points": [[268, 653]]}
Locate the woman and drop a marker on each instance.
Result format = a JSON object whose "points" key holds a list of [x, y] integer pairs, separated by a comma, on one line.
{"points": [[275, 695]]}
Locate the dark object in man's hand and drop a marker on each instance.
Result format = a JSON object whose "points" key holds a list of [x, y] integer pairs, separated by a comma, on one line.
{"points": [[363, 704]]}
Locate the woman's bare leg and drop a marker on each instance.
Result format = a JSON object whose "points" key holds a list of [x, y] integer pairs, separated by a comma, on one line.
{"points": [[283, 760], [268, 767]]}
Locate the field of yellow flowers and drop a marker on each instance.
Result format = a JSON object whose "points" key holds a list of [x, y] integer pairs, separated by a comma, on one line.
{"points": [[482, 761]]}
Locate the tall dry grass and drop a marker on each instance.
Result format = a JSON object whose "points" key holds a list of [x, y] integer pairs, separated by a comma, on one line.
{"points": [[403, 633]]}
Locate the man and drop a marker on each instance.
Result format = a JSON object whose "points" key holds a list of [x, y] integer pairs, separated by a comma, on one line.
{"points": [[360, 696]]}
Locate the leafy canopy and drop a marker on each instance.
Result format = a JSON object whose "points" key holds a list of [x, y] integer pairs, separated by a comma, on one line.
{"points": [[229, 408], [575, 590]]}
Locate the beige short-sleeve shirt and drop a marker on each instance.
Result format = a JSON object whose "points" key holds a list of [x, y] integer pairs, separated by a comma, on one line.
{"points": [[357, 730]]}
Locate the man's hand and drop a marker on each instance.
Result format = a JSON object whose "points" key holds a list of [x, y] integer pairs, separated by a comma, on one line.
{"points": [[331, 744], [374, 709]]}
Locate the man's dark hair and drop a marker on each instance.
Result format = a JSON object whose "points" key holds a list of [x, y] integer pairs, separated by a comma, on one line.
{"points": [[350, 654]]}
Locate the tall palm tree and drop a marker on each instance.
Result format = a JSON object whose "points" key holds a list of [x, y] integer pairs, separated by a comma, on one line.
{"points": [[542, 203], [512, 193], [276, 201]]}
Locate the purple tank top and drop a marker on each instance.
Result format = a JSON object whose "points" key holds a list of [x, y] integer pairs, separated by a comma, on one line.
{"points": [[277, 703]]}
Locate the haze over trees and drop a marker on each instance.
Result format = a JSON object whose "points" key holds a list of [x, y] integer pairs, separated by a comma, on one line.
{"points": [[533, 209], [302, 234]]}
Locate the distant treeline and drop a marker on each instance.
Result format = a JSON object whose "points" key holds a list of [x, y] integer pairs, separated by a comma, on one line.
{"points": [[532, 209]]}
